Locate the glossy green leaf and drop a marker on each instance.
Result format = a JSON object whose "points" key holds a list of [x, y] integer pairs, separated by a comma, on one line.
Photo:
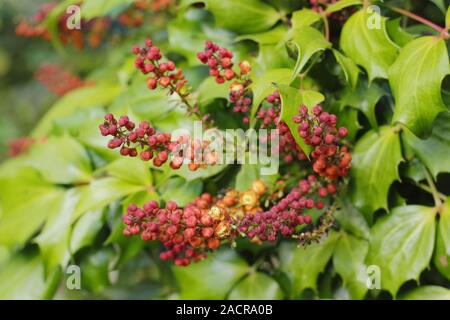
{"points": [[433, 152], [351, 220], [61, 160], [444, 225], [291, 101], [402, 244], [304, 264], [364, 98], [211, 278], [348, 261], [256, 286], [342, 4], [264, 86], [27, 201], [308, 41], [99, 8], [397, 33], [273, 36], [415, 79], [181, 191], [441, 259], [375, 160], [447, 19], [233, 15], [23, 279], [367, 45], [350, 69], [53, 241], [85, 97], [428, 293], [85, 230], [102, 192], [130, 170], [210, 90], [304, 18], [95, 269]]}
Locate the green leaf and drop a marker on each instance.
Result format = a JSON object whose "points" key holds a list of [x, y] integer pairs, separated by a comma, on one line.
{"points": [[402, 244], [256, 286], [210, 90], [350, 69], [444, 225], [440, 4], [234, 14], [26, 202], [273, 36], [415, 79], [130, 170], [364, 98], [181, 191], [303, 265], [86, 229], [245, 177], [264, 86], [291, 100], [434, 152], [95, 269], [307, 41], [304, 18], [351, 220], [53, 241], [99, 8], [82, 98], [104, 191], [348, 261], [61, 160], [447, 19], [371, 47], [23, 278], [428, 293], [375, 161], [397, 34], [211, 278], [441, 258], [342, 4]]}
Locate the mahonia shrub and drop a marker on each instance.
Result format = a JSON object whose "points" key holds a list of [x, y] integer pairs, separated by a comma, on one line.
{"points": [[124, 173]]}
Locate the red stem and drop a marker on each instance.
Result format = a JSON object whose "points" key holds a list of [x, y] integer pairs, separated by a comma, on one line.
{"points": [[414, 16]]}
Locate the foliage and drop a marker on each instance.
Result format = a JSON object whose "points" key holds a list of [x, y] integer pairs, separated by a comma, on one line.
{"points": [[383, 74]]}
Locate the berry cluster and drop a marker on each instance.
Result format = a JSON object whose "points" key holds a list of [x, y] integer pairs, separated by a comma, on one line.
{"points": [[57, 80], [186, 233], [146, 142], [33, 28], [219, 61], [269, 118], [148, 61], [287, 214], [162, 73], [318, 129]]}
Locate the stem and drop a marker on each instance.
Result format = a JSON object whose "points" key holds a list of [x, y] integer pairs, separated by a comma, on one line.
{"points": [[326, 25], [428, 189], [433, 189], [444, 33]]}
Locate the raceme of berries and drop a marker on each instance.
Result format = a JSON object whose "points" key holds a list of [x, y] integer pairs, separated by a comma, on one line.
{"points": [[57, 80], [165, 74], [220, 63], [189, 233], [144, 141], [269, 118], [318, 129]]}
